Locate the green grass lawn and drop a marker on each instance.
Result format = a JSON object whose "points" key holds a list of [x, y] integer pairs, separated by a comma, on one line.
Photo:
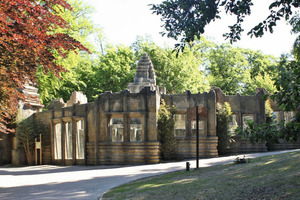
{"points": [[270, 177]]}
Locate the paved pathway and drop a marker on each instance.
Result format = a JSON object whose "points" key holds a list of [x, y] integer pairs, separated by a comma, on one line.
{"points": [[85, 182]]}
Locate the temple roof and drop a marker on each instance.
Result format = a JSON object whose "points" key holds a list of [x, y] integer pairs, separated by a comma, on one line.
{"points": [[31, 95], [144, 75]]}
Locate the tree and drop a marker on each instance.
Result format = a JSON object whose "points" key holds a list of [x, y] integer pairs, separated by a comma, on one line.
{"points": [[287, 97], [223, 118], [77, 63], [28, 41], [288, 85], [27, 131], [227, 69], [237, 70], [295, 22], [116, 69], [288, 80], [165, 129], [78, 77], [262, 69], [188, 19]]}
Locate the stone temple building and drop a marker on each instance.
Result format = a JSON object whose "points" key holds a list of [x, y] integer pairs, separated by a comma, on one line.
{"points": [[121, 128]]}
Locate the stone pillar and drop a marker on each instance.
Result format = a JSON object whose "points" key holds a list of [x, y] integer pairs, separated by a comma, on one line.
{"points": [[152, 99], [126, 128], [260, 107], [211, 115]]}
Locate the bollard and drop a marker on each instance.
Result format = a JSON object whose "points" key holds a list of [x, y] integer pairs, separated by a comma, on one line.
{"points": [[188, 166]]}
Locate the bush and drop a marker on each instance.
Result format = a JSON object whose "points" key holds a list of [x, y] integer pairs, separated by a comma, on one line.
{"points": [[26, 132], [165, 125], [223, 118], [291, 131], [271, 131], [264, 133]]}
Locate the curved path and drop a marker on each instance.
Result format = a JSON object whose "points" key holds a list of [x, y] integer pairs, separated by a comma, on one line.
{"points": [[86, 182]]}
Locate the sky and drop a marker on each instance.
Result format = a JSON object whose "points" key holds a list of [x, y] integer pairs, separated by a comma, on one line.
{"points": [[123, 20]]}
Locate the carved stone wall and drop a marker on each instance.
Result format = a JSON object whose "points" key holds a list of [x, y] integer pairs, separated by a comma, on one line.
{"points": [[121, 128], [245, 108], [107, 142], [186, 139]]}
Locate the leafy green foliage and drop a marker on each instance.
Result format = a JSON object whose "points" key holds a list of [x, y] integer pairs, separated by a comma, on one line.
{"points": [[227, 69], [262, 69], [165, 128], [291, 130], [237, 70], [197, 68], [295, 22], [223, 118], [79, 67], [116, 69], [266, 132], [187, 19], [288, 85], [272, 131], [287, 97], [278, 9], [28, 40], [77, 64], [26, 132]]}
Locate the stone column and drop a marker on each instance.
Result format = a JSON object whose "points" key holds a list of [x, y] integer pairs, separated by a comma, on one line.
{"points": [[151, 113], [211, 115], [260, 107]]}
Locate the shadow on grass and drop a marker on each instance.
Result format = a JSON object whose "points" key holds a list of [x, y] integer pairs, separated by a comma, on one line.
{"points": [[270, 177]]}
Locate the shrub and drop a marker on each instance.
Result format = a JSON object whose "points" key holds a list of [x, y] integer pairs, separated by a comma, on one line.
{"points": [[264, 133], [26, 132], [271, 131], [165, 125], [223, 118]]}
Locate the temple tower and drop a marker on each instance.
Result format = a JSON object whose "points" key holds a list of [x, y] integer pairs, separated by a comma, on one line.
{"points": [[144, 76]]}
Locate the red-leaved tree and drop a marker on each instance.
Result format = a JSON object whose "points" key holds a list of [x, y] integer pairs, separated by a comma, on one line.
{"points": [[28, 40]]}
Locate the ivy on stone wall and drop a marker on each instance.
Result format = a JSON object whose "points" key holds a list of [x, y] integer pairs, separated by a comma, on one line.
{"points": [[165, 126], [223, 118]]}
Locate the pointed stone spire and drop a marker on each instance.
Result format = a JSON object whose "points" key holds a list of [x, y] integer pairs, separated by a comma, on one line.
{"points": [[144, 76]]}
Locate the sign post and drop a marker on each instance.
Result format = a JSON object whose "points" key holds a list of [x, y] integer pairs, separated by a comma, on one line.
{"points": [[194, 114], [197, 137]]}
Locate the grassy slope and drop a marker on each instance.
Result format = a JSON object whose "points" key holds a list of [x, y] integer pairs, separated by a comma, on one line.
{"points": [[271, 177]]}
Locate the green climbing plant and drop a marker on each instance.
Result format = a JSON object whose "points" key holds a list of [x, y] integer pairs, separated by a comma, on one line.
{"points": [[165, 125], [223, 119]]}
